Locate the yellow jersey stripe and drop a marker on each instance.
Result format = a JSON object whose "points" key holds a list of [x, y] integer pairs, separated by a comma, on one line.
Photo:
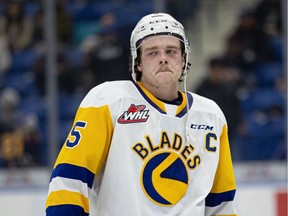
{"points": [[63, 197]]}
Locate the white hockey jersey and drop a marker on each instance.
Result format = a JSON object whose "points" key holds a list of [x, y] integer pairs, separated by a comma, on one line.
{"points": [[130, 154]]}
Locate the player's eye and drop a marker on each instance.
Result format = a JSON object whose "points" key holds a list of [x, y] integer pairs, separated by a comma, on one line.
{"points": [[152, 53], [172, 51]]}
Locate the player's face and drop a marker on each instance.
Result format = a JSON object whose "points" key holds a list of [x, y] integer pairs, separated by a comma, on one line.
{"points": [[161, 61]]}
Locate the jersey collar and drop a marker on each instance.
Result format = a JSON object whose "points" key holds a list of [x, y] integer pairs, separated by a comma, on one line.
{"points": [[160, 105]]}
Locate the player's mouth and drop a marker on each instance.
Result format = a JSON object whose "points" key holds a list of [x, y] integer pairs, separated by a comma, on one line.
{"points": [[164, 70]]}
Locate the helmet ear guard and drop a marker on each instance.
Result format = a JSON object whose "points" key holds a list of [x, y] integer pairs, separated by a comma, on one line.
{"points": [[157, 24]]}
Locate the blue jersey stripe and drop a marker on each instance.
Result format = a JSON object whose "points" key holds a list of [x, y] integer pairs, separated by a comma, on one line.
{"points": [[74, 172], [61, 210], [215, 199], [190, 101]]}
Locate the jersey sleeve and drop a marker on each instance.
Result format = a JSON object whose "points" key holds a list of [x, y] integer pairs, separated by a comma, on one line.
{"points": [[80, 161], [220, 200]]}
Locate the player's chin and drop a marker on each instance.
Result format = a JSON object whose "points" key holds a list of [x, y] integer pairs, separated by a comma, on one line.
{"points": [[166, 81]]}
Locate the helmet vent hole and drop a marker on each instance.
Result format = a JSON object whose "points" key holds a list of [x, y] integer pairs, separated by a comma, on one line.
{"points": [[152, 29], [166, 27]]}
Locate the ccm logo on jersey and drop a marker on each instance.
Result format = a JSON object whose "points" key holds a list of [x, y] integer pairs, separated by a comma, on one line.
{"points": [[134, 114]]}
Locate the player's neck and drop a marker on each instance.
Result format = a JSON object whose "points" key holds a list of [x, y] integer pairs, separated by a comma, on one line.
{"points": [[166, 93]]}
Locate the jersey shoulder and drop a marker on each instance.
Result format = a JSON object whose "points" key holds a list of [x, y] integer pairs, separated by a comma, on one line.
{"points": [[108, 92], [204, 104]]}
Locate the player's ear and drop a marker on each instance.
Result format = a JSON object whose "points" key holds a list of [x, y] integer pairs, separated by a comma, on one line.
{"points": [[183, 61], [139, 67]]}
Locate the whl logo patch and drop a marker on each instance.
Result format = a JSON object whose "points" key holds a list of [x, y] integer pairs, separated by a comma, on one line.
{"points": [[134, 114]]}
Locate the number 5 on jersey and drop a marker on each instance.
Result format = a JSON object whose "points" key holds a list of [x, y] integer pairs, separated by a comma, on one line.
{"points": [[75, 134]]}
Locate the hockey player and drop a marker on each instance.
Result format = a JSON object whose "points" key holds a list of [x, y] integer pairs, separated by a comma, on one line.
{"points": [[144, 147]]}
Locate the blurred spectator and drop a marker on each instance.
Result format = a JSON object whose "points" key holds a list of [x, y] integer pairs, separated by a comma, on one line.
{"points": [[248, 43], [106, 58], [280, 85], [268, 15], [12, 149], [91, 39], [38, 33], [16, 129], [105, 62], [32, 140], [269, 18], [65, 74], [63, 22], [5, 59], [222, 85], [20, 147], [15, 27], [9, 115]]}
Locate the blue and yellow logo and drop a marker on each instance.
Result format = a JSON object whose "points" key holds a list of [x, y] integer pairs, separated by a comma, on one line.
{"points": [[164, 178]]}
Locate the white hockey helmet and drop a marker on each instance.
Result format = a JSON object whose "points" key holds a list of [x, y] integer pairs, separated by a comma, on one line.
{"points": [[157, 24]]}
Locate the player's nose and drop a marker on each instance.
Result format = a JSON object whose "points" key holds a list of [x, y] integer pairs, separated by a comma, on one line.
{"points": [[163, 58]]}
